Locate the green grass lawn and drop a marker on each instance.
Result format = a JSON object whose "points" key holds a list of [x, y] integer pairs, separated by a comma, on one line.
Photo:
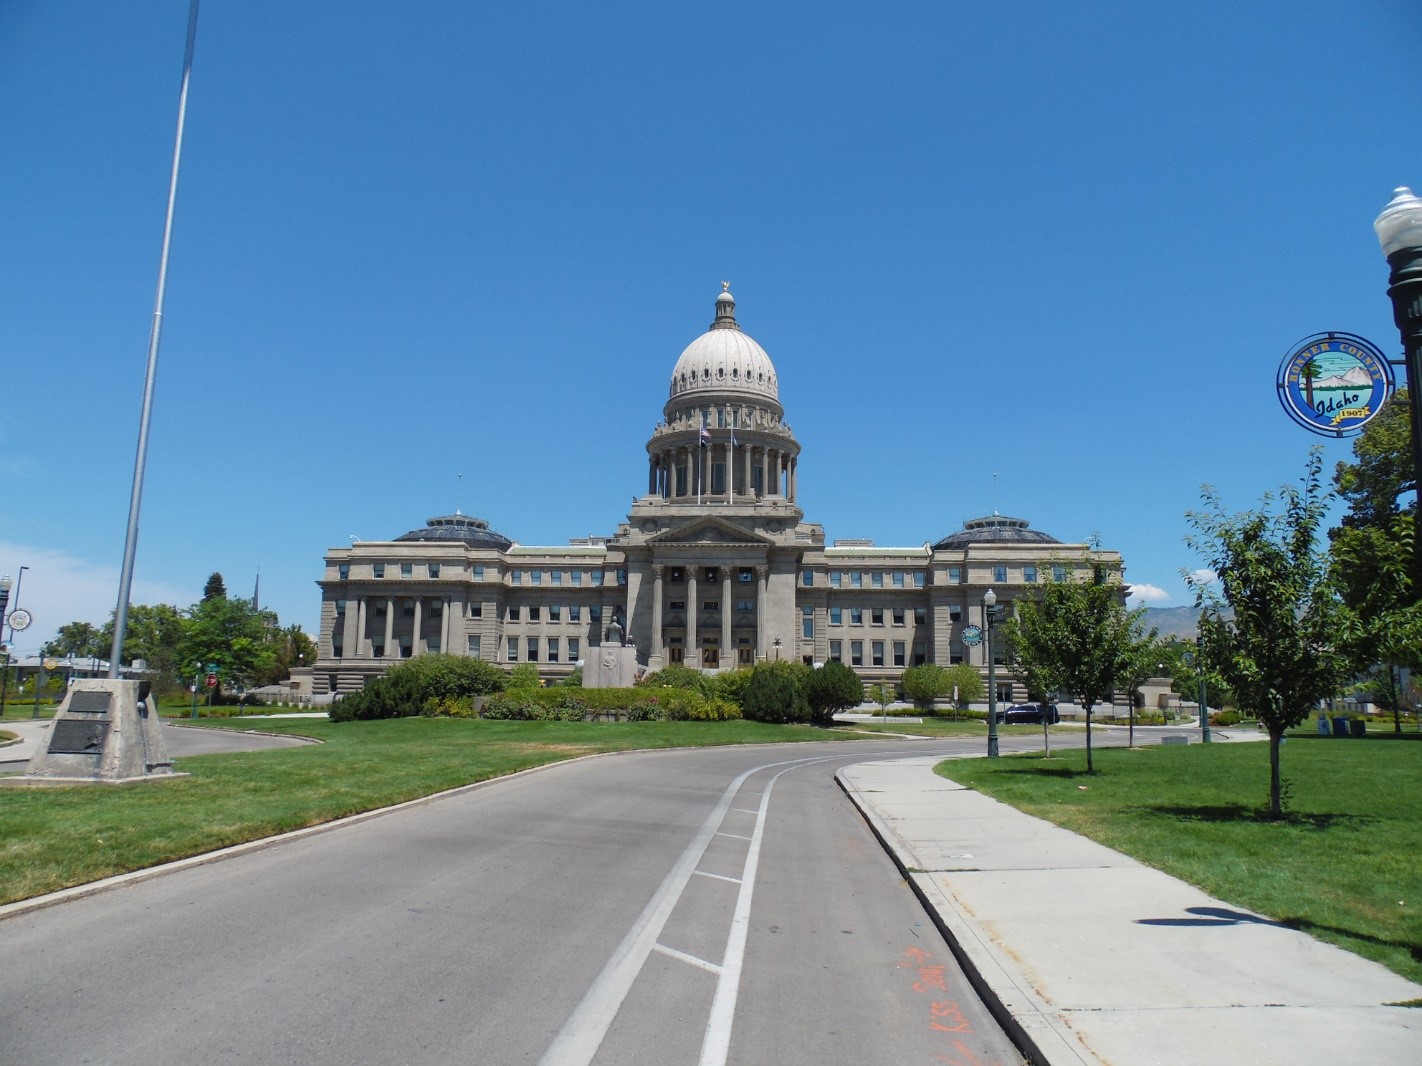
{"points": [[51, 838], [1344, 866]]}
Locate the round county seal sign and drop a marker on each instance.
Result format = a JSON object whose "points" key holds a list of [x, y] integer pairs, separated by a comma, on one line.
{"points": [[1334, 383]]}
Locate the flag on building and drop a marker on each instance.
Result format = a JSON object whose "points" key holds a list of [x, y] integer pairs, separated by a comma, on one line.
{"points": [[705, 435]]}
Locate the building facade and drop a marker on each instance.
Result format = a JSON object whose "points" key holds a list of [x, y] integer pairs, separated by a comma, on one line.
{"points": [[715, 567]]}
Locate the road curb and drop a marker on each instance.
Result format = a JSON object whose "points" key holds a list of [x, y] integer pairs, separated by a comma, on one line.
{"points": [[1033, 1026]]}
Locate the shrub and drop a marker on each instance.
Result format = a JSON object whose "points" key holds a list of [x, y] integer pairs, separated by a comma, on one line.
{"points": [[833, 687], [1225, 718], [775, 692], [405, 690], [728, 685], [924, 683], [524, 676], [674, 676]]}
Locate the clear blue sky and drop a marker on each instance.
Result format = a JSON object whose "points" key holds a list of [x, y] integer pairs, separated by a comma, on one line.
{"points": [[1064, 243]]}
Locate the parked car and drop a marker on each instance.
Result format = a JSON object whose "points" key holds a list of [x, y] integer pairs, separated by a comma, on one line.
{"points": [[1031, 714]]}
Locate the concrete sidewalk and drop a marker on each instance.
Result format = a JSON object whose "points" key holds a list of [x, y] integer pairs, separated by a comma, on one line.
{"points": [[1102, 960]]}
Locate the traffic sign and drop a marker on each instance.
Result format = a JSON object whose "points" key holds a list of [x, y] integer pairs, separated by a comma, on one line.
{"points": [[211, 681]]}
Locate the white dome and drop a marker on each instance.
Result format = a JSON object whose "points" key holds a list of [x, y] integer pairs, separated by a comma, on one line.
{"points": [[724, 359]]}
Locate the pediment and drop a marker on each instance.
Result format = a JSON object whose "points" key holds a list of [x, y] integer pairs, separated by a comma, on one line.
{"points": [[709, 531]]}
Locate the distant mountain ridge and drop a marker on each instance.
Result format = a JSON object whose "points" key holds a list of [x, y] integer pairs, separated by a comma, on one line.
{"points": [[1181, 622]]}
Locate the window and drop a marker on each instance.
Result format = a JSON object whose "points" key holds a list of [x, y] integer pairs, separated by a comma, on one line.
{"points": [[878, 652], [574, 645], [378, 650], [1029, 574], [718, 477], [433, 569], [836, 615], [595, 612], [556, 577], [676, 605], [343, 571], [552, 649], [807, 623], [409, 609], [476, 610], [575, 612], [918, 579], [533, 649], [876, 616], [377, 570], [535, 614], [513, 612], [856, 653], [535, 577], [745, 605], [380, 608], [999, 573], [836, 577], [898, 579], [920, 616], [711, 605], [955, 574], [407, 569], [712, 574], [955, 659], [919, 656], [856, 579], [474, 646], [595, 576], [338, 651], [836, 650], [516, 577], [432, 645], [856, 616], [898, 616], [746, 574], [678, 575], [340, 608], [876, 579], [577, 577], [513, 649], [900, 653], [555, 613], [622, 577], [1058, 573], [807, 578], [478, 571], [955, 614], [437, 607]]}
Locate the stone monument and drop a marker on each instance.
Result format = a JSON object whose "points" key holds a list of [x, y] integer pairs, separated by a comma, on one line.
{"points": [[105, 730], [611, 664]]}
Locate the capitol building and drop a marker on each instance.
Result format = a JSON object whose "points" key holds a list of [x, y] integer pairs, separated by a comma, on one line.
{"points": [[715, 567]]}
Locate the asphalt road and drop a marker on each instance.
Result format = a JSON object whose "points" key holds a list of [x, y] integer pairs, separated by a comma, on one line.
{"points": [[721, 905]]}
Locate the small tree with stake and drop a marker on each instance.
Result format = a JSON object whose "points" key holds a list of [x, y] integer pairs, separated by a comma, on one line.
{"points": [[1277, 653], [1076, 639]]}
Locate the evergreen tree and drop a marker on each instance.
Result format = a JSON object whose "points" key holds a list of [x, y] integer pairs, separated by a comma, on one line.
{"points": [[215, 589]]}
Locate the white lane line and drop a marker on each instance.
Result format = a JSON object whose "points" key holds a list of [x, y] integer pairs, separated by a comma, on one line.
{"points": [[733, 836], [684, 957], [716, 1045], [743, 810], [719, 877], [582, 1034]]}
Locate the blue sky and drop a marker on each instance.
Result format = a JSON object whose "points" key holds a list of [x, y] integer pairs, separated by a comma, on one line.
{"points": [[1064, 244]]}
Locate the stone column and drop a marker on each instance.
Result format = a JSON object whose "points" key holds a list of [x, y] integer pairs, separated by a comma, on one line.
{"points": [[444, 626], [762, 574], [389, 625], [415, 640], [693, 649], [652, 475], [362, 643], [350, 642], [793, 464], [657, 571], [727, 609], [750, 488]]}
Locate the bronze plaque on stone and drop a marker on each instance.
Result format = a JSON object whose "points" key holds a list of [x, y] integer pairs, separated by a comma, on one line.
{"points": [[89, 702], [84, 735]]}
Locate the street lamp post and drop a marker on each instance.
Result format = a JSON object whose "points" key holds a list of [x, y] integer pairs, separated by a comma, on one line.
{"points": [[989, 619], [776, 645], [1399, 230], [4, 621]]}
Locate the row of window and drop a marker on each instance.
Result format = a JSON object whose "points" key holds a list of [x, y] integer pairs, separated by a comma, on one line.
{"points": [[899, 615], [876, 653], [854, 579], [551, 646], [574, 578], [573, 612], [676, 575]]}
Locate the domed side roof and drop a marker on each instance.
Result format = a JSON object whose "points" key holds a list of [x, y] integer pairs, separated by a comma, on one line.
{"points": [[724, 359], [994, 529], [472, 531]]}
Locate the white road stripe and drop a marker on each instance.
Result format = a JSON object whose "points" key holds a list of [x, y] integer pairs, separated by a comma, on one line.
{"points": [[684, 957], [733, 836], [719, 877]]}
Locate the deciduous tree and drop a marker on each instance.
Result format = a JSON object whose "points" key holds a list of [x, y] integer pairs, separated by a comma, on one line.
{"points": [[1277, 652]]}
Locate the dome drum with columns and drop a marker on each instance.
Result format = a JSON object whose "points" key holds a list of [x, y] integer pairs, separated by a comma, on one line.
{"points": [[715, 568]]}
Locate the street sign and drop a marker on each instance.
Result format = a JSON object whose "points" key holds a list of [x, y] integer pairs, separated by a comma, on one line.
{"points": [[20, 619], [51, 665], [211, 681], [972, 636]]}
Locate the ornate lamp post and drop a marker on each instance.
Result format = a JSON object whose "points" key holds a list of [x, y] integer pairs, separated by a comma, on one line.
{"points": [[4, 621], [989, 620], [776, 645], [1399, 230]]}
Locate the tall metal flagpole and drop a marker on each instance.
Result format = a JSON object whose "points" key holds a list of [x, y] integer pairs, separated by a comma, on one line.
{"points": [[130, 546]]}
